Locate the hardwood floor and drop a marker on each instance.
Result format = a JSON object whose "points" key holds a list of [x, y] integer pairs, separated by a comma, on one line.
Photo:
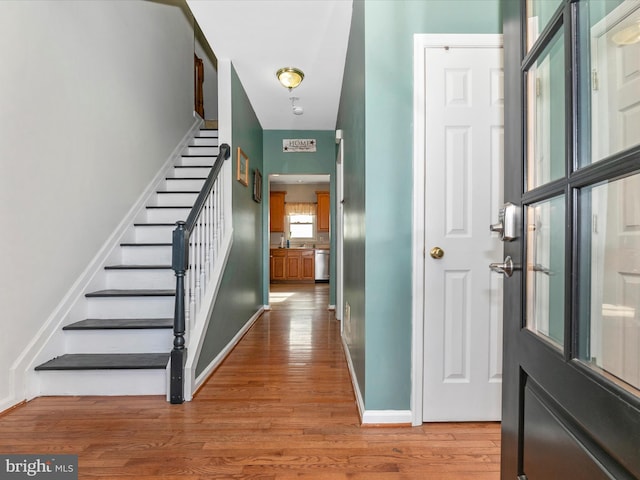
{"points": [[280, 407]]}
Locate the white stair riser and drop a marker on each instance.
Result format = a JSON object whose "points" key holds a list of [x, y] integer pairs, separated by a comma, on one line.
{"points": [[191, 172], [154, 233], [153, 255], [202, 150], [205, 141], [207, 134], [168, 215], [136, 279], [131, 307], [103, 382], [183, 184], [119, 341], [197, 161], [175, 199]]}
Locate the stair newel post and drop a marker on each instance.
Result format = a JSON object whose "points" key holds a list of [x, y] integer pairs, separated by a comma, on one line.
{"points": [[180, 265]]}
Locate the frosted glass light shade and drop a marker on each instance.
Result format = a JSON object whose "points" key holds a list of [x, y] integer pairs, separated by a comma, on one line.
{"points": [[290, 77]]}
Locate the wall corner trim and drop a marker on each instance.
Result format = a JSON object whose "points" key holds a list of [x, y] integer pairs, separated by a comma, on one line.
{"points": [[382, 417]]}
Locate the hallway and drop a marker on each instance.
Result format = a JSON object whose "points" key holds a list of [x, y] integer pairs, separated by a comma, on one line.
{"points": [[281, 406]]}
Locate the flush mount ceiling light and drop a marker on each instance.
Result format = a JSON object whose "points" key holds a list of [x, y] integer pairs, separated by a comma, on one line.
{"points": [[290, 77]]}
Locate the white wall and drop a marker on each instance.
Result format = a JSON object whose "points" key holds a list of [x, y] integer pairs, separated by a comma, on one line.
{"points": [[94, 96]]}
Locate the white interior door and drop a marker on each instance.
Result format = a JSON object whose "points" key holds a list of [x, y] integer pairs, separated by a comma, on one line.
{"points": [[463, 158], [615, 208], [615, 63]]}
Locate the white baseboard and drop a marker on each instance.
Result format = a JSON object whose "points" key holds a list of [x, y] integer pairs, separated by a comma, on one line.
{"points": [[382, 417], [374, 417], [217, 361], [354, 380]]}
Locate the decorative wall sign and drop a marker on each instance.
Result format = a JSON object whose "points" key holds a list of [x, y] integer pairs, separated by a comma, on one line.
{"points": [[298, 145], [242, 168]]}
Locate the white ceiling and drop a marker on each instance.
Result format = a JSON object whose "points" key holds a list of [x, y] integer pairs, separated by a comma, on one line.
{"points": [[261, 36]]}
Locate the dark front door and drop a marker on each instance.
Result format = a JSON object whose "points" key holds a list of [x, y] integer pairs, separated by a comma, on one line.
{"points": [[571, 392]]}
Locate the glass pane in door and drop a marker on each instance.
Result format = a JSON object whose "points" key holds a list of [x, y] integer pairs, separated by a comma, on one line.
{"points": [[611, 33], [545, 269], [546, 116], [610, 259], [539, 13]]}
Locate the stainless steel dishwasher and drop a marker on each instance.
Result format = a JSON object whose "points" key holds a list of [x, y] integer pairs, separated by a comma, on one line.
{"points": [[322, 265]]}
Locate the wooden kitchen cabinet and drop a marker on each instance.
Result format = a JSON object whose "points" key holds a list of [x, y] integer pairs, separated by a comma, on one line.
{"points": [[308, 265], [294, 272], [278, 265], [276, 211], [323, 211], [292, 265]]}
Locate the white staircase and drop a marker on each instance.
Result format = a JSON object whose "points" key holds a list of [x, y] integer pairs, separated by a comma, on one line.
{"points": [[117, 338]]}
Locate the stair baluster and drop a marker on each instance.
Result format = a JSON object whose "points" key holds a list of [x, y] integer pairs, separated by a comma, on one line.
{"points": [[192, 241]]}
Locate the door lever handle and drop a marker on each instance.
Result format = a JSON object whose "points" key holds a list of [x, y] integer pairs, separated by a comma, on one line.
{"points": [[506, 268]]}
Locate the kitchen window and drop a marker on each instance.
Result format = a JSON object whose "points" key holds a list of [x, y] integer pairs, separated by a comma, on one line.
{"points": [[301, 226], [301, 218]]}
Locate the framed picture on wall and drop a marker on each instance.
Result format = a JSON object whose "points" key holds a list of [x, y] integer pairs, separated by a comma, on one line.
{"points": [[242, 168], [257, 185]]}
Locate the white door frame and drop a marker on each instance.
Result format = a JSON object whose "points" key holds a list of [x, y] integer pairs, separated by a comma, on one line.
{"points": [[420, 42]]}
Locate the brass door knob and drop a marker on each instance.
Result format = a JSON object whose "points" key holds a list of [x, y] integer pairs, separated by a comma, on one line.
{"points": [[437, 253]]}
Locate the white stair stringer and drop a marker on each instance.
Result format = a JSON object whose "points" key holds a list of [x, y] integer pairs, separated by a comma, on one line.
{"points": [[133, 282]]}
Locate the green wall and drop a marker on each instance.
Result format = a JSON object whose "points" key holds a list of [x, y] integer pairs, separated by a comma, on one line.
{"points": [[382, 230], [351, 120], [323, 161], [241, 290]]}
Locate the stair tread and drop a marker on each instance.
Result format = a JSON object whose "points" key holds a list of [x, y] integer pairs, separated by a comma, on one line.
{"points": [[107, 361], [168, 206], [120, 323], [185, 178], [145, 292], [195, 166], [178, 191], [137, 267], [167, 224], [145, 244]]}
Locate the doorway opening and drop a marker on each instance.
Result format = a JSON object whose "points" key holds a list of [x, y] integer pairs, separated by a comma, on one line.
{"points": [[299, 229]]}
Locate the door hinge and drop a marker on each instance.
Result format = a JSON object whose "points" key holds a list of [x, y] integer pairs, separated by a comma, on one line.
{"points": [[538, 87], [595, 85]]}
